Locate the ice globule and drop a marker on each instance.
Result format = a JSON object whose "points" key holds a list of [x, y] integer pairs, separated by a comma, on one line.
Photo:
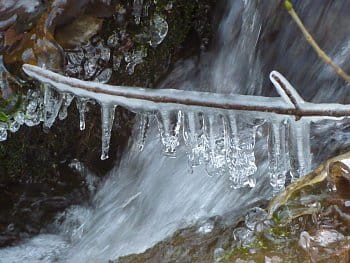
{"points": [[107, 119], [278, 160], [142, 130], [169, 125], [158, 30], [133, 59], [299, 148], [52, 104], [3, 131]]}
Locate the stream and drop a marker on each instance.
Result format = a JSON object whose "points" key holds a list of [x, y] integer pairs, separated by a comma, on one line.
{"points": [[148, 196]]}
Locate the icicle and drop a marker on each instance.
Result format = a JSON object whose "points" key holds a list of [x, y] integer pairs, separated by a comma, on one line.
{"points": [[191, 135], [169, 124], [217, 165], [66, 101], [277, 155], [300, 149], [82, 108], [107, 118], [137, 10], [142, 131], [240, 156], [52, 105], [33, 108], [196, 137]]}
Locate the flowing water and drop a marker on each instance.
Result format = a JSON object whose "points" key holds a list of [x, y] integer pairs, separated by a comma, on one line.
{"points": [[149, 195]]}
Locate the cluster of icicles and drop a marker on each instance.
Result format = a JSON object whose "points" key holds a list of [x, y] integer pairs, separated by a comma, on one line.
{"points": [[223, 143]]}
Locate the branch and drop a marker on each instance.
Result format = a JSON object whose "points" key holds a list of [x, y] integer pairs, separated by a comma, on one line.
{"points": [[313, 43], [140, 99]]}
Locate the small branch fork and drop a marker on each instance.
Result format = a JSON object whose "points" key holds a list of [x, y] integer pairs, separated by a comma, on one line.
{"points": [[138, 99]]}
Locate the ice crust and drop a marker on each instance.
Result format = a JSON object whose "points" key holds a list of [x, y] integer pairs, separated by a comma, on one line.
{"points": [[221, 139]]}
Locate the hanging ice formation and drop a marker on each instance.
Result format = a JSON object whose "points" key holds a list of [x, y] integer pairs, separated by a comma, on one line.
{"points": [[218, 131]]}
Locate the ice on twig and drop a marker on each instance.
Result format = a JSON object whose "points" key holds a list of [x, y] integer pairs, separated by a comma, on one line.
{"points": [[286, 90]]}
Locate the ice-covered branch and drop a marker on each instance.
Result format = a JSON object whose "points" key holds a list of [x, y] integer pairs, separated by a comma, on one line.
{"points": [[137, 99]]}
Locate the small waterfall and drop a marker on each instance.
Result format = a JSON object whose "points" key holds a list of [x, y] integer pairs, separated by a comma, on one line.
{"points": [[149, 195]]}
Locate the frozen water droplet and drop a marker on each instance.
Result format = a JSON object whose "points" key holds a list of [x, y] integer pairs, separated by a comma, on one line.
{"points": [[3, 131], [169, 124], [243, 236], [206, 228], [255, 216], [19, 117], [104, 76], [107, 118], [159, 30], [14, 126], [133, 59], [34, 108], [113, 40], [117, 60], [90, 67]]}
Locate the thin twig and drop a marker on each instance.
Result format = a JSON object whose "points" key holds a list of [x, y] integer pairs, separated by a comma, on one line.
{"points": [[313, 43], [139, 99]]}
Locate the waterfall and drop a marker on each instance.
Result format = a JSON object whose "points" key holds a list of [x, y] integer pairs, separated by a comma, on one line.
{"points": [[149, 195]]}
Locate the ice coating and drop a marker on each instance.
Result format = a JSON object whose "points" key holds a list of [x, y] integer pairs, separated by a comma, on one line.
{"points": [[137, 99], [218, 131]]}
